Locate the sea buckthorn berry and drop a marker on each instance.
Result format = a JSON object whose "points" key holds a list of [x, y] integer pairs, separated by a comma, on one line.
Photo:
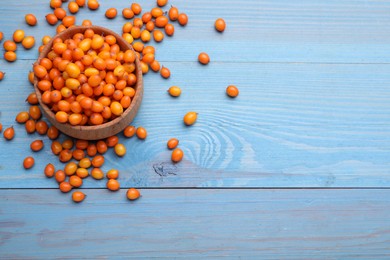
{"points": [[52, 132], [1, 75], [78, 154], [41, 127], [146, 17], [52, 19], [112, 174], [36, 145], [60, 176], [59, 13], [82, 173], [97, 161], [32, 99], [158, 36], [28, 162], [65, 155], [70, 168], [1, 36], [127, 13], [65, 187], [172, 143], [30, 126], [101, 146], [220, 25], [73, 7], [116, 108], [174, 91], [150, 26], [82, 144], [55, 3], [183, 19], [39, 71], [133, 194], [93, 4], [165, 73], [30, 19], [68, 21], [9, 45], [18, 36], [56, 147], [49, 170], [162, 3], [22, 117], [203, 58], [9, 133], [28, 42], [156, 12], [155, 66], [169, 29], [75, 181], [190, 118], [173, 13], [232, 91], [113, 185], [145, 36], [161, 21], [97, 173], [80, 3], [111, 13], [141, 133], [177, 155], [67, 144], [78, 196], [120, 150], [112, 141], [61, 117], [85, 163], [136, 8], [86, 22], [129, 131], [10, 56], [35, 112]]}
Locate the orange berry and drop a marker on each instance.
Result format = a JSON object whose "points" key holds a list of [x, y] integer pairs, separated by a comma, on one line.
{"points": [[30, 19], [232, 91], [28, 162], [78, 196], [141, 133], [65, 187], [220, 25], [177, 155], [190, 118], [203, 58], [133, 194], [172, 143], [129, 131], [183, 19], [9, 133], [113, 185]]}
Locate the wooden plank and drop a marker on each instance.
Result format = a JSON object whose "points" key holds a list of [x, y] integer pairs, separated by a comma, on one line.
{"points": [[272, 224], [315, 126], [257, 31]]}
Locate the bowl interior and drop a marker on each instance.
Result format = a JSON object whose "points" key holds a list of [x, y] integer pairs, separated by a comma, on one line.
{"points": [[111, 127]]}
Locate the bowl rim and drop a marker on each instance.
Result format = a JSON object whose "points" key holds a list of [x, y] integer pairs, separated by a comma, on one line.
{"points": [[138, 87]]}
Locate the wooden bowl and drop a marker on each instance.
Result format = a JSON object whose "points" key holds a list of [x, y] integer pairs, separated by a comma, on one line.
{"points": [[107, 129]]}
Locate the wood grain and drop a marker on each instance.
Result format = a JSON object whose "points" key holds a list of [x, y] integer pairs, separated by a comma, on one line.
{"points": [[293, 125], [271, 224], [353, 31]]}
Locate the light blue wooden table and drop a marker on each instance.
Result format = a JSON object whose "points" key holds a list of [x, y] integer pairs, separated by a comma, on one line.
{"points": [[296, 167]]}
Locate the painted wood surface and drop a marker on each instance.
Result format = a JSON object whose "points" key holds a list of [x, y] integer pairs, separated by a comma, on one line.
{"points": [[193, 223], [313, 111], [296, 123]]}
